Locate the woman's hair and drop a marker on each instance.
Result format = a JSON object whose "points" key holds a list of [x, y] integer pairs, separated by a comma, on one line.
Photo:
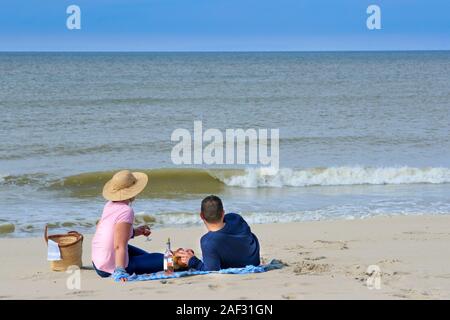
{"points": [[128, 200]]}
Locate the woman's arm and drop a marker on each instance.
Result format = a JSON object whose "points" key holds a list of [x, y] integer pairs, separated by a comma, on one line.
{"points": [[121, 237]]}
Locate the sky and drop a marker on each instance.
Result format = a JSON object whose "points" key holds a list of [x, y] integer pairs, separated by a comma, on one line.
{"points": [[224, 25]]}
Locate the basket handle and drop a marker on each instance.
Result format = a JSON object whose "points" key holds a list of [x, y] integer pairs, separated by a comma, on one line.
{"points": [[77, 234], [46, 233]]}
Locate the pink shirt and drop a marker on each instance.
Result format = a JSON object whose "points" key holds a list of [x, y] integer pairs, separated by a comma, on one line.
{"points": [[103, 253]]}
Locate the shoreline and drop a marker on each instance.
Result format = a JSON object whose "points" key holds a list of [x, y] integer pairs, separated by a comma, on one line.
{"points": [[292, 194], [326, 260]]}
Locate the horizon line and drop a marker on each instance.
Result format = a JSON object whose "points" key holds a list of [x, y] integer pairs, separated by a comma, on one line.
{"points": [[221, 51]]}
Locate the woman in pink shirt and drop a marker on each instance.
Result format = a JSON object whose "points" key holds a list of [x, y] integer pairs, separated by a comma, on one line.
{"points": [[111, 253]]}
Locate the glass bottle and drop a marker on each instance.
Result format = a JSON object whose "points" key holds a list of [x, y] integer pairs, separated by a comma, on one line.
{"points": [[168, 259]]}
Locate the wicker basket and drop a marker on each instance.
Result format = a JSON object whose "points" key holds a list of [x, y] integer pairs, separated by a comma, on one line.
{"points": [[71, 248]]}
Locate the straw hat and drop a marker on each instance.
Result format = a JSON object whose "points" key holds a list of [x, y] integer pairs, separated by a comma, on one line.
{"points": [[124, 185]]}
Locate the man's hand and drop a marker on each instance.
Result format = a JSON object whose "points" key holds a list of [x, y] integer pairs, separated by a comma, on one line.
{"points": [[142, 231], [186, 255]]}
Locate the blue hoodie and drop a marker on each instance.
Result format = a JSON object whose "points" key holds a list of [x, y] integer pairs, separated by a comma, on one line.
{"points": [[233, 246]]}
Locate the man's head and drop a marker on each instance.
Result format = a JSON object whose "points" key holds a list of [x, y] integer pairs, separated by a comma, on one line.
{"points": [[212, 210]]}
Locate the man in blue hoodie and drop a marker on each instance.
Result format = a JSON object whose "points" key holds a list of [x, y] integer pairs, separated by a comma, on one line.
{"points": [[229, 242]]}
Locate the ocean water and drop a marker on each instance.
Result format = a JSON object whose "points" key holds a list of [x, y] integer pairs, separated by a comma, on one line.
{"points": [[361, 134]]}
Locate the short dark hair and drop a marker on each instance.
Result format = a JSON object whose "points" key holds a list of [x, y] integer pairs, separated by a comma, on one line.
{"points": [[212, 209]]}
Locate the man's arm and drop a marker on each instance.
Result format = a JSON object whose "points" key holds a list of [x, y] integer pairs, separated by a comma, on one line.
{"points": [[211, 260]]}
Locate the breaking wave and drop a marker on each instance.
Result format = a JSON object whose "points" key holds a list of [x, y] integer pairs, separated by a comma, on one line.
{"points": [[176, 182], [336, 176]]}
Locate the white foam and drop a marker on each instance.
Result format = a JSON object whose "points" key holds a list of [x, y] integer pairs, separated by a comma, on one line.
{"points": [[327, 213], [335, 176]]}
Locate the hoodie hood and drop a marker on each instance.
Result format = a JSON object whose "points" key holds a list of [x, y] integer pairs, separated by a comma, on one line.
{"points": [[235, 225]]}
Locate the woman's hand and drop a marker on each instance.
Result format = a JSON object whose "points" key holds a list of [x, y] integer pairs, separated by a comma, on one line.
{"points": [[120, 274], [142, 231]]}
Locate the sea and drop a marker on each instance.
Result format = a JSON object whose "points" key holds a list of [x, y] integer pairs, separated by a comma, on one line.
{"points": [[361, 134]]}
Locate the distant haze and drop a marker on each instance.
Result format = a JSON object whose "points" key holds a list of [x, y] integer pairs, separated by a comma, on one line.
{"points": [[224, 25]]}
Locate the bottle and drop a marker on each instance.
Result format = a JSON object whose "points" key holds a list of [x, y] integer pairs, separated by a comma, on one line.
{"points": [[168, 259]]}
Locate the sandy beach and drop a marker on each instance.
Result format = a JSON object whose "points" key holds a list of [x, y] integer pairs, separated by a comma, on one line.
{"points": [[325, 260]]}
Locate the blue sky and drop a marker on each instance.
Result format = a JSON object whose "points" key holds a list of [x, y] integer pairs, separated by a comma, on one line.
{"points": [[223, 25]]}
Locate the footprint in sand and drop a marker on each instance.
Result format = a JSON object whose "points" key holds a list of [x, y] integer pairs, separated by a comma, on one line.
{"points": [[341, 245], [413, 294], [416, 232], [388, 261], [315, 258], [386, 266], [422, 235], [400, 273], [34, 277], [213, 287], [360, 273], [296, 247], [306, 267], [81, 293], [140, 289], [251, 277]]}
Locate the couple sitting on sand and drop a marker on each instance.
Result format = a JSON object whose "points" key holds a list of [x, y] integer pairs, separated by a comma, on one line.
{"points": [[229, 242]]}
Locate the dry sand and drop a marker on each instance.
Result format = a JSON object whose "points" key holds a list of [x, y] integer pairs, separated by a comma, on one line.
{"points": [[326, 260]]}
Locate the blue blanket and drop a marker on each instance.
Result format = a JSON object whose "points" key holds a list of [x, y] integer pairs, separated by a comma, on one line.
{"points": [[274, 264]]}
